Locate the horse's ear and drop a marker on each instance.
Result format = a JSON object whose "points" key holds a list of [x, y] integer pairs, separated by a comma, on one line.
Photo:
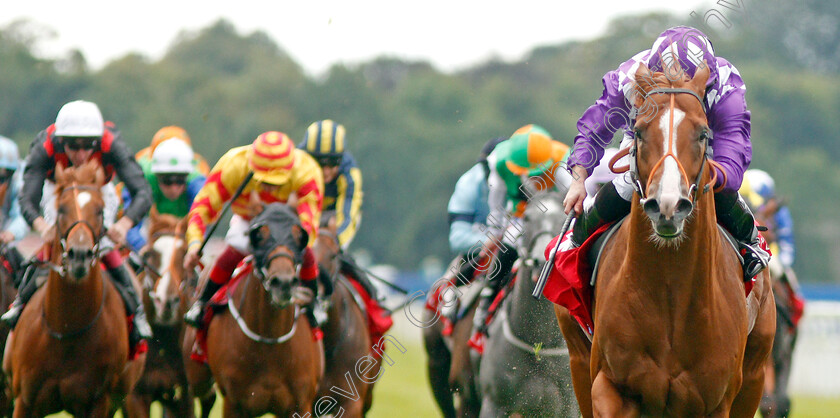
{"points": [[183, 223], [701, 76], [99, 176], [644, 82], [331, 224], [259, 235], [60, 174], [300, 236], [153, 215]]}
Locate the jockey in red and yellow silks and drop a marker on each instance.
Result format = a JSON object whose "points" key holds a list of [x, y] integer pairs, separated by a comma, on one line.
{"points": [[282, 174]]}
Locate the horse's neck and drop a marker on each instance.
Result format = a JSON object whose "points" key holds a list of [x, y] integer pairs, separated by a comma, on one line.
{"points": [[529, 318], [254, 304], [68, 306], [687, 265]]}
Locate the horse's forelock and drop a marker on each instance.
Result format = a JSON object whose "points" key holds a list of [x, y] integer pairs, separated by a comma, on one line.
{"points": [[163, 222], [89, 173]]}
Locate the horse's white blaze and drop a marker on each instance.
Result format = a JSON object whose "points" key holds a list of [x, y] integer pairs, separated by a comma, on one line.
{"points": [[82, 199], [165, 246], [669, 183]]}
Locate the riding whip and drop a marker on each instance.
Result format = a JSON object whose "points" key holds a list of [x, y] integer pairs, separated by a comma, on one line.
{"points": [[352, 262], [538, 289], [224, 210]]}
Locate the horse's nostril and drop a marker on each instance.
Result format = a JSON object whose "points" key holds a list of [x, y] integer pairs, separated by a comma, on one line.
{"points": [[684, 207], [651, 207]]}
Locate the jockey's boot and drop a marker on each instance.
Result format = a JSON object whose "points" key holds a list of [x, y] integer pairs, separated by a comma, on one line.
{"points": [[308, 274], [133, 304], [497, 278], [27, 287], [469, 264], [326, 281], [16, 263], [196, 312], [608, 207], [220, 274], [734, 215], [315, 313]]}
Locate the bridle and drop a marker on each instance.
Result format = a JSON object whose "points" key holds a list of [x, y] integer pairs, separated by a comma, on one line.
{"points": [[632, 152], [94, 262], [97, 237], [262, 273]]}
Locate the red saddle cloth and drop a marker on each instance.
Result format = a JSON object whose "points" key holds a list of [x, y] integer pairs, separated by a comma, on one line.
{"points": [[378, 319], [568, 282]]}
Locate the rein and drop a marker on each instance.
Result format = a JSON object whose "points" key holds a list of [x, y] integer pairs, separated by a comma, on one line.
{"points": [[234, 312], [240, 321], [507, 332]]}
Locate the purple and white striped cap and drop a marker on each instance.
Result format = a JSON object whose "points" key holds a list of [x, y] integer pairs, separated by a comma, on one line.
{"points": [[691, 47]]}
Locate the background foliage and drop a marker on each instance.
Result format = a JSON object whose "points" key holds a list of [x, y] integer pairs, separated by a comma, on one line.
{"points": [[414, 129]]}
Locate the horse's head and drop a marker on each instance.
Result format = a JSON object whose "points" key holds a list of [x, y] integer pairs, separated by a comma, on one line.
{"points": [[543, 219], [671, 144], [278, 241], [164, 267], [80, 219]]}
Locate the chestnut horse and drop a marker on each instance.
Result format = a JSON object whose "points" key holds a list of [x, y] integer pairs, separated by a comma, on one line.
{"points": [[346, 334], [261, 349], [70, 349], [164, 299], [674, 334]]}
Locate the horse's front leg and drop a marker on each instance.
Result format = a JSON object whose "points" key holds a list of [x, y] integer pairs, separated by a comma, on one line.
{"points": [[608, 402], [580, 350], [137, 406], [100, 408], [22, 410]]}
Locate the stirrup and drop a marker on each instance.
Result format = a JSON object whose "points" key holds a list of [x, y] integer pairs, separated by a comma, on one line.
{"points": [[755, 260], [193, 316], [11, 317], [141, 325]]}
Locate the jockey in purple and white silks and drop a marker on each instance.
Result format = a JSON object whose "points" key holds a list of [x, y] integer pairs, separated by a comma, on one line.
{"points": [[728, 118]]}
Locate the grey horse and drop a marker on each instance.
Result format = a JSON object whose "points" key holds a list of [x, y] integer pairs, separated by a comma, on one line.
{"points": [[525, 366]]}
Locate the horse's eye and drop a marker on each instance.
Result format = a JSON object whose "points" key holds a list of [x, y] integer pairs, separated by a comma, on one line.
{"points": [[637, 133], [704, 135]]}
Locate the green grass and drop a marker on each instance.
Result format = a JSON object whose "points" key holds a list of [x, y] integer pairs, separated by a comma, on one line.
{"points": [[404, 391]]}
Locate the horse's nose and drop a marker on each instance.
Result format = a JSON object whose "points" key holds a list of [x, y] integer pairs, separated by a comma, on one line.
{"points": [[79, 254], [668, 206]]}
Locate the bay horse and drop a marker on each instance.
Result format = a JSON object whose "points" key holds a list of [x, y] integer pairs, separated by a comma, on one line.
{"points": [[346, 334], [674, 334], [452, 377], [525, 366], [70, 348], [165, 301], [8, 291], [776, 402], [261, 349]]}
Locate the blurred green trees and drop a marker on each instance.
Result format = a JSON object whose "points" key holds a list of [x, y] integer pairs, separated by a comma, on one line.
{"points": [[414, 130]]}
